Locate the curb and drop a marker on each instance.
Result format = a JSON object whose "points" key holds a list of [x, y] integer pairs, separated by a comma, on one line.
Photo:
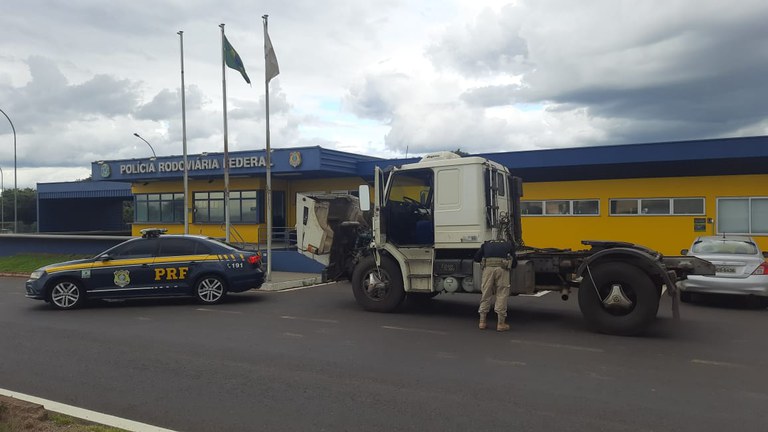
{"points": [[283, 285]]}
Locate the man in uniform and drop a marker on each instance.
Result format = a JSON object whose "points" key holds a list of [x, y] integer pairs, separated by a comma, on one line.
{"points": [[497, 258]]}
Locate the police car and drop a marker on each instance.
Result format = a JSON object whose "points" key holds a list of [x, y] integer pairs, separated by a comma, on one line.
{"points": [[154, 265]]}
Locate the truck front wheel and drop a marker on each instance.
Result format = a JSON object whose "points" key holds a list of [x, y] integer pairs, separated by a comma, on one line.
{"points": [[618, 298], [378, 289]]}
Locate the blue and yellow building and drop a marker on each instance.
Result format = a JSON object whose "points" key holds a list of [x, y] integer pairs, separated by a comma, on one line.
{"points": [[661, 195]]}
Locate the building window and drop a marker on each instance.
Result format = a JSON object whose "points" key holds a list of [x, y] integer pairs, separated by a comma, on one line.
{"points": [[532, 208], [586, 207], [557, 207], [244, 207], [742, 215], [160, 207], [688, 206], [560, 208], [657, 206]]}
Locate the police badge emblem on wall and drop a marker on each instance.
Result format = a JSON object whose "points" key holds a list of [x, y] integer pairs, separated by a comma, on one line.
{"points": [[106, 171], [122, 278], [294, 159]]}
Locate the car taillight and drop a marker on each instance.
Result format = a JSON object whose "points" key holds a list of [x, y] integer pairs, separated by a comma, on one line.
{"points": [[762, 269], [254, 259]]}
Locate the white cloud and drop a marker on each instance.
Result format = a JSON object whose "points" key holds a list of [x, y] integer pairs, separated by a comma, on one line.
{"points": [[79, 78]]}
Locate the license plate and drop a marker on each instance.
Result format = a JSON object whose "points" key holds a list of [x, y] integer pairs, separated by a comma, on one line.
{"points": [[725, 270]]}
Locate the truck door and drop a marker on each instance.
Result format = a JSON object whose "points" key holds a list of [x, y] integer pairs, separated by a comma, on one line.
{"points": [[497, 196], [409, 208], [501, 188]]}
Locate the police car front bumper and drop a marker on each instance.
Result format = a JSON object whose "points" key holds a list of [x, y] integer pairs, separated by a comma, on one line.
{"points": [[35, 289]]}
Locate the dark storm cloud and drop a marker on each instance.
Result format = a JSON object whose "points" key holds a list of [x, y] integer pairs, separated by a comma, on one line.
{"points": [[655, 74]]}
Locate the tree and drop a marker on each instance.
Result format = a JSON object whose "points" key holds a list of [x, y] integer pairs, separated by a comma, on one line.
{"points": [[26, 208]]}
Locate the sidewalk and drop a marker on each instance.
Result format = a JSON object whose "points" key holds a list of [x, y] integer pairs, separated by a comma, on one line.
{"points": [[284, 280]]}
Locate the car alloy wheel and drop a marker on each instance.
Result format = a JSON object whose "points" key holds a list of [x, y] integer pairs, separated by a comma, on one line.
{"points": [[210, 290], [66, 294]]}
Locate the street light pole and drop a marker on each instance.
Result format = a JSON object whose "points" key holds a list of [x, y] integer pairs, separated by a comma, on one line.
{"points": [[15, 184], [184, 136], [2, 200], [150, 145]]}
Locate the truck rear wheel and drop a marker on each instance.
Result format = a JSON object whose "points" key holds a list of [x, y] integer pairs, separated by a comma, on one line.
{"points": [[618, 298], [378, 289]]}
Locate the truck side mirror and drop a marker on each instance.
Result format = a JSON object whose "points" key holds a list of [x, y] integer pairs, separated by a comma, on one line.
{"points": [[364, 195], [765, 254]]}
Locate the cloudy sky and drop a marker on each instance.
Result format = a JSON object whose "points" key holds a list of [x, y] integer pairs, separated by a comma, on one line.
{"points": [[377, 77]]}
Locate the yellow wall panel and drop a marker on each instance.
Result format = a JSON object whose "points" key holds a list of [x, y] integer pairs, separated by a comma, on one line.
{"points": [[667, 234], [250, 232]]}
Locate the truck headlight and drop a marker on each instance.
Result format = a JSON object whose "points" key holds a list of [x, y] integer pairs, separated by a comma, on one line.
{"points": [[37, 274]]}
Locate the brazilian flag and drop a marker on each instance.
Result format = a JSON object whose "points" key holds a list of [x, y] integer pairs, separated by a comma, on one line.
{"points": [[232, 59]]}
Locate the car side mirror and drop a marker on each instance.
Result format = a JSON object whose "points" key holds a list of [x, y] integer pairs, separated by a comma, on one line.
{"points": [[684, 252], [105, 257]]}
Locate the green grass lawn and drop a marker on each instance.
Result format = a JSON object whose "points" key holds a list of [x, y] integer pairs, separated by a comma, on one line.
{"points": [[26, 263]]}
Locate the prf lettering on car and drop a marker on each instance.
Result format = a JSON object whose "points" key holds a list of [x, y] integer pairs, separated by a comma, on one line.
{"points": [[171, 273]]}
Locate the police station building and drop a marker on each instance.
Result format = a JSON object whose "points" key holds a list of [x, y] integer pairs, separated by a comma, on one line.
{"points": [[661, 195]]}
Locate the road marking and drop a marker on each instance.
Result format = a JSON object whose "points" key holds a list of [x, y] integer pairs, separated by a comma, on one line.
{"points": [[143, 319], [303, 287], [417, 330], [538, 294], [506, 362], [445, 355], [217, 310], [85, 414], [716, 363], [296, 335], [559, 346], [309, 319]]}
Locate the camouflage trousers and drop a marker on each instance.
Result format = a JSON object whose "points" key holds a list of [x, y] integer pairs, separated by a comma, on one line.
{"points": [[495, 283]]}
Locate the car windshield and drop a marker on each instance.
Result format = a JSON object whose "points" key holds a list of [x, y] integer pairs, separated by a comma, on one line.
{"points": [[724, 246]]}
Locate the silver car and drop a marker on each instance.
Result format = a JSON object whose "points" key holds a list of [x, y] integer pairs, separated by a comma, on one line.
{"points": [[740, 268]]}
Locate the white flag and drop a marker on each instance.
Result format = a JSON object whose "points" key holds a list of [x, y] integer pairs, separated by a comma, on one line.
{"points": [[270, 59]]}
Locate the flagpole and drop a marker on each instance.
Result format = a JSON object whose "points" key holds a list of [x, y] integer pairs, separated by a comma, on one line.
{"points": [[184, 136], [269, 158], [226, 144]]}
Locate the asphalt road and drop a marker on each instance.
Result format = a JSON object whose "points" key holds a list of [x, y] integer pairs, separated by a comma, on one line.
{"points": [[312, 360]]}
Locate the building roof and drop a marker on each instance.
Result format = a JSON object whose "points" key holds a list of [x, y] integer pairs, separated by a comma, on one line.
{"points": [[723, 156], [84, 189]]}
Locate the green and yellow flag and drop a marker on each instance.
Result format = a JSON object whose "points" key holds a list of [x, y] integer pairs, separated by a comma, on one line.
{"points": [[232, 59]]}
